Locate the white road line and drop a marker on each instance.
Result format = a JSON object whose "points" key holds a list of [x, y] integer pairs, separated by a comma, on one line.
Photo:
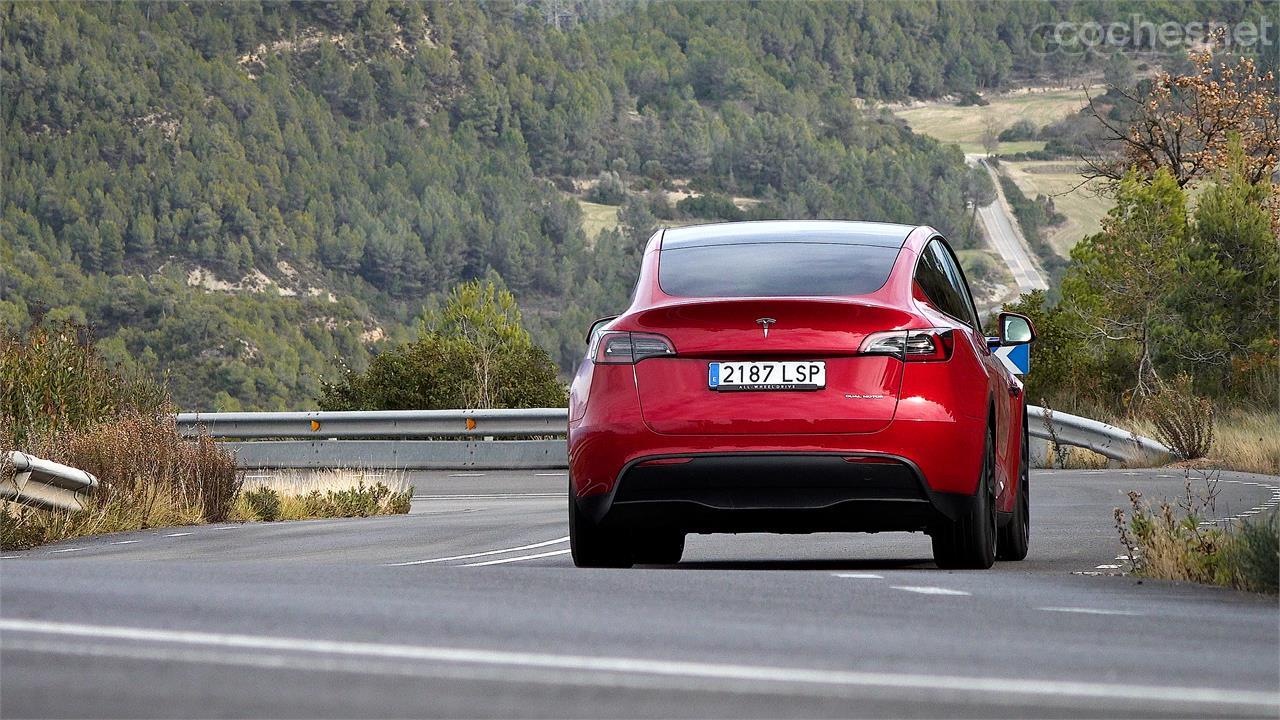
{"points": [[551, 474], [467, 475], [859, 576], [8, 557], [1106, 567], [177, 534], [517, 559], [480, 554], [929, 590], [491, 496], [228, 527], [979, 686], [66, 550], [124, 542], [1088, 611]]}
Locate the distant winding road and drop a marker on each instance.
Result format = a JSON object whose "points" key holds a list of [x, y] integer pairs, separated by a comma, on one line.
{"points": [[469, 606], [1007, 238]]}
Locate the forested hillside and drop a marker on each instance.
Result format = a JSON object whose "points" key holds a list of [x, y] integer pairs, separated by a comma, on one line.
{"points": [[247, 195]]}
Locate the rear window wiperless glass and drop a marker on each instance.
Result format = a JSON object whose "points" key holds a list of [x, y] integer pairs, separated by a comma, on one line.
{"points": [[789, 269]]}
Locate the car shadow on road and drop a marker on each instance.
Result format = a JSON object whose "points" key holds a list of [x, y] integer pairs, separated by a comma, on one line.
{"points": [[832, 565]]}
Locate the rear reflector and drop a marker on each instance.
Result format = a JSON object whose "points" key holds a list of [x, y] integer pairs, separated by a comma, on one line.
{"points": [[871, 460], [665, 461]]}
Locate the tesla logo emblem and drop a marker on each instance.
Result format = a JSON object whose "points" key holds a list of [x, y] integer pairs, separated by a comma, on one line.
{"points": [[765, 323]]}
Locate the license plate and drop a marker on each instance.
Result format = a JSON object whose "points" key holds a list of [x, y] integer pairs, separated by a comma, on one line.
{"points": [[789, 375]]}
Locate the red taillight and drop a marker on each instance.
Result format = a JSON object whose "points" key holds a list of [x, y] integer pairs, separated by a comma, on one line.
{"points": [[625, 348], [928, 345]]}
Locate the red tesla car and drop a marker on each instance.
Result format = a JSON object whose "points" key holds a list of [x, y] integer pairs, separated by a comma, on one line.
{"points": [[797, 377]]}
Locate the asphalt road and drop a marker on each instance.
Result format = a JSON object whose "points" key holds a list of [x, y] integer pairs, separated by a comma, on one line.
{"points": [[470, 606], [998, 219]]}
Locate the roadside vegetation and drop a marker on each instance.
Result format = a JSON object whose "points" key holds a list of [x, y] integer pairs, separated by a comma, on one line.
{"points": [[60, 400], [322, 494], [1178, 542]]}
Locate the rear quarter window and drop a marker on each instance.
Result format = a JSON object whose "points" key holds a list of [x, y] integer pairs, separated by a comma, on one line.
{"points": [[782, 269]]}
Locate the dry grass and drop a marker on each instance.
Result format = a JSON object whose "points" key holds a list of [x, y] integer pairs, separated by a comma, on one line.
{"points": [[597, 218], [304, 482], [304, 494], [1080, 202], [148, 477], [1170, 543], [964, 125], [1243, 440], [323, 494]]}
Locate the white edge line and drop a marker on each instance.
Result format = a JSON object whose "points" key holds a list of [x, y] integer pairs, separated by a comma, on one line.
{"points": [[859, 576], [1089, 611], [517, 559], [670, 668], [929, 590], [480, 554], [493, 496], [65, 550], [124, 542], [177, 534]]}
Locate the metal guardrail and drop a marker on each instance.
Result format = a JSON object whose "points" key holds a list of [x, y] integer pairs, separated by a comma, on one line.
{"points": [[401, 454], [1109, 441], [395, 438], [378, 423], [46, 484]]}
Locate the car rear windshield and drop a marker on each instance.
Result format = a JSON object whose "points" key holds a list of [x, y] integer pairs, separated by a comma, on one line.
{"points": [[786, 269]]}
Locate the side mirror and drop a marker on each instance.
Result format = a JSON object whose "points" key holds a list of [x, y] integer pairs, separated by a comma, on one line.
{"points": [[595, 326], [1016, 329]]}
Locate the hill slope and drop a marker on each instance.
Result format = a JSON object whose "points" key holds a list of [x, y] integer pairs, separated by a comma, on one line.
{"points": [[245, 195]]}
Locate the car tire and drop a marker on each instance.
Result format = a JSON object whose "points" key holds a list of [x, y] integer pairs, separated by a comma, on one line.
{"points": [[592, 545], [658, 547], [969, 542], [1015, 536]]}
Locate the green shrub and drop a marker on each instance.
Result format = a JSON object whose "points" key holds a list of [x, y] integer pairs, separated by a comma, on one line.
{"points": [[53, 379], [263, 503], [608, 190], [710, 206], [1252, 559], [474, 353], [1020, 130]]}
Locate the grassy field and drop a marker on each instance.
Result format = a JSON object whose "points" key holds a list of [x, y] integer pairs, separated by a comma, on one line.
{"points": [[1061, 180], [597, 218], [964, 125]]}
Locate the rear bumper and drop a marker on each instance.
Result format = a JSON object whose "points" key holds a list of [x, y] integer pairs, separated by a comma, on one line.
{"points": [[772, 492]]}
